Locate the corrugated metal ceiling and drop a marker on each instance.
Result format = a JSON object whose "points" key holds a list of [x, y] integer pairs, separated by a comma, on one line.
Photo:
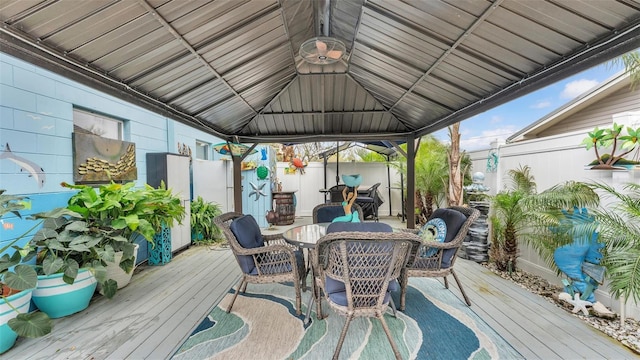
{"points": [[232, 68]]}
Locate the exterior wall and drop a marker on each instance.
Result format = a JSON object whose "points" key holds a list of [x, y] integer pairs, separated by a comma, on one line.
{"points": [[552, 160], [598, 114], [36, 120]]}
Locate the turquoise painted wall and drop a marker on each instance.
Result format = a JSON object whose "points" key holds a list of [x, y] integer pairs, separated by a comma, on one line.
{"points": [[36, 120]]}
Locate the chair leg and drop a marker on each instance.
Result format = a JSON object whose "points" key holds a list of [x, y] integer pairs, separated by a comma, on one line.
{"points": [[241, 284], [466, 299], [396, 352], [404, 281], [446, 282], [298, 300], [342, 336], [392, 305]]}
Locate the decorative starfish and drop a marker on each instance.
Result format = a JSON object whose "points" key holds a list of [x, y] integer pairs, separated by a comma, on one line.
{"points": [[578, 304], [257, 190]]}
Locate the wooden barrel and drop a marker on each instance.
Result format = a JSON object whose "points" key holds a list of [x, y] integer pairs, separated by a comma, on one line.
{"points": [[285, 207]]}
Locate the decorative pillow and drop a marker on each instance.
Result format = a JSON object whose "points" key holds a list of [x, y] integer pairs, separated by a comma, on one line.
{"points": [[435, 230]]}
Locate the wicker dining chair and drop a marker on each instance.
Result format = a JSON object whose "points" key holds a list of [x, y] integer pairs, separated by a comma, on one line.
{"points": [[262, 258], [324, 213], [354, 270], [436, 259]]}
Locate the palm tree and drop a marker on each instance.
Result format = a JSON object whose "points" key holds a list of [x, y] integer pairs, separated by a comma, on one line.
{"points": [[547, 231], [620, 232], [631, 62], [431, 175], [509, 217]]}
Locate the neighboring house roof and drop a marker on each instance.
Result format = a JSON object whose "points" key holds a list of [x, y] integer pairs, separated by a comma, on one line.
{"points": [[232, 68], [563, 113]]}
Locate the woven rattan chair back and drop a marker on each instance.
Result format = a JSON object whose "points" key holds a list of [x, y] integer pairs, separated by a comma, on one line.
{"points": [[275, 262], [432, 265], [365, 262]]}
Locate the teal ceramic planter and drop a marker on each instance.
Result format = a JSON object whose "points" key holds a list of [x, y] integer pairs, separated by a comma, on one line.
{"points": [[21, 302], [57, 299]]}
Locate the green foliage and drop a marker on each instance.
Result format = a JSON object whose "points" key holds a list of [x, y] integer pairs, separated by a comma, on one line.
{"points": [[21, 278], [509, 217], [620, 232], [126, 208], [202, 214], [545, 213]]}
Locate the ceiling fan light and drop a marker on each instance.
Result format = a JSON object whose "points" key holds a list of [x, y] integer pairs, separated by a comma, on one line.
{"points": [[322, 50]]}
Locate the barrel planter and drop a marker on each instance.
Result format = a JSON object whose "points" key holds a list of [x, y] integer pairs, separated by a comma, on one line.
{"points": [[285, 206], [21, 302], [57, 299]]}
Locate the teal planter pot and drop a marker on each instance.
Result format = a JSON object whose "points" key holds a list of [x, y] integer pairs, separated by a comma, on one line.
{"points": [[21, 302], [57, 299]]}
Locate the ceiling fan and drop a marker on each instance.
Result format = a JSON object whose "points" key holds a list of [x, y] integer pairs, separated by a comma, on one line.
{"points": [[322, 50]]}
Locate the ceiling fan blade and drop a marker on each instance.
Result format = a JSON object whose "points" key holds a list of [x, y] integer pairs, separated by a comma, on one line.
{"points": [[334, 54], [321, 46]]}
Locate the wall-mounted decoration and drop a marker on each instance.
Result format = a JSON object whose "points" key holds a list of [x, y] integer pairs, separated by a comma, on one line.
{"points": [[35, 171], [184, 149], [98, 160], [257, 190]]}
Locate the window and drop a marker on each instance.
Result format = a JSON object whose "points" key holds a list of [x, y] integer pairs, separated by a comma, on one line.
{"points": [[95, 124], [202, 150]]}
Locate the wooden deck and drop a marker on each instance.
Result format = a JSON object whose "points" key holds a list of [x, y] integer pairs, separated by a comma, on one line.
{"points": [[150, 318]]}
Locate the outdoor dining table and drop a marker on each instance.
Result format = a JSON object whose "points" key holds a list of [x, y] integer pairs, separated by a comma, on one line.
{"points": [[306, 237]]}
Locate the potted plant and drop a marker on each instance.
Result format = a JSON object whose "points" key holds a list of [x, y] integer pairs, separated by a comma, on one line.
{"points": [[17, 282], [123, 210], [70, 256], [203, 230]]}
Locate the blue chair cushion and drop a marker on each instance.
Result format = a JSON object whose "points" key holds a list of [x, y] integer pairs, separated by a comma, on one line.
{"points": [[435, 230], [454, 220], [328, 213], [246, 230]]}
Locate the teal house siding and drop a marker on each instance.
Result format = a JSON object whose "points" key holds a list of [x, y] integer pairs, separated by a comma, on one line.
{"points": [[36, 121]]}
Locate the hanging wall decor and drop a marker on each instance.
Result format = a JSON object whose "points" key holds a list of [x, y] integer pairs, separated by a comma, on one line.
{"points": [[99, 160]]}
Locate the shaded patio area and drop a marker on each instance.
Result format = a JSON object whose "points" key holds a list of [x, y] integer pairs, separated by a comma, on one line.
{"points": [[156, 312]]}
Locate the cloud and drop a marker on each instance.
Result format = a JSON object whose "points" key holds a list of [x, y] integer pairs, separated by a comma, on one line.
{"points": [[495, 119], [577, 87], [483, 141], [541, 104]]}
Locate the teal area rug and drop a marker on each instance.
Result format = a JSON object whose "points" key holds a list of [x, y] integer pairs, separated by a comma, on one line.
{"points": [[263, 325]]}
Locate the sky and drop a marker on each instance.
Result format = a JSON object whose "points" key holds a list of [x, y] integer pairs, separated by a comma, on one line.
{"points": [[501, 122]]}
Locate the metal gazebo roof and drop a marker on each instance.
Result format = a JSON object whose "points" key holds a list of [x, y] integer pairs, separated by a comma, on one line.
{"points": [[231, 68]]}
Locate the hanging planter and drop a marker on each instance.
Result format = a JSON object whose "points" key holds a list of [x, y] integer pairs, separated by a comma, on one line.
{"points": [[58, 299], [20, 301]]}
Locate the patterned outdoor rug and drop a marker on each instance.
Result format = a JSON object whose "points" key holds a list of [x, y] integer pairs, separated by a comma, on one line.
{"points": [[263, 325]]}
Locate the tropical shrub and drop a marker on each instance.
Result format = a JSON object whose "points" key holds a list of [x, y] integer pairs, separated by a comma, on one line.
{"points": [[203, 230]]}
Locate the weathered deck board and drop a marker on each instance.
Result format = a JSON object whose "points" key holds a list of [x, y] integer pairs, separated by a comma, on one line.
{"points": [[544, 330], [150, 318]]}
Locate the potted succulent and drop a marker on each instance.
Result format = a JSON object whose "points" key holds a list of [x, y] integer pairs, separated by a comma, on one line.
{"points": [[17, 282], [203, 230]]}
